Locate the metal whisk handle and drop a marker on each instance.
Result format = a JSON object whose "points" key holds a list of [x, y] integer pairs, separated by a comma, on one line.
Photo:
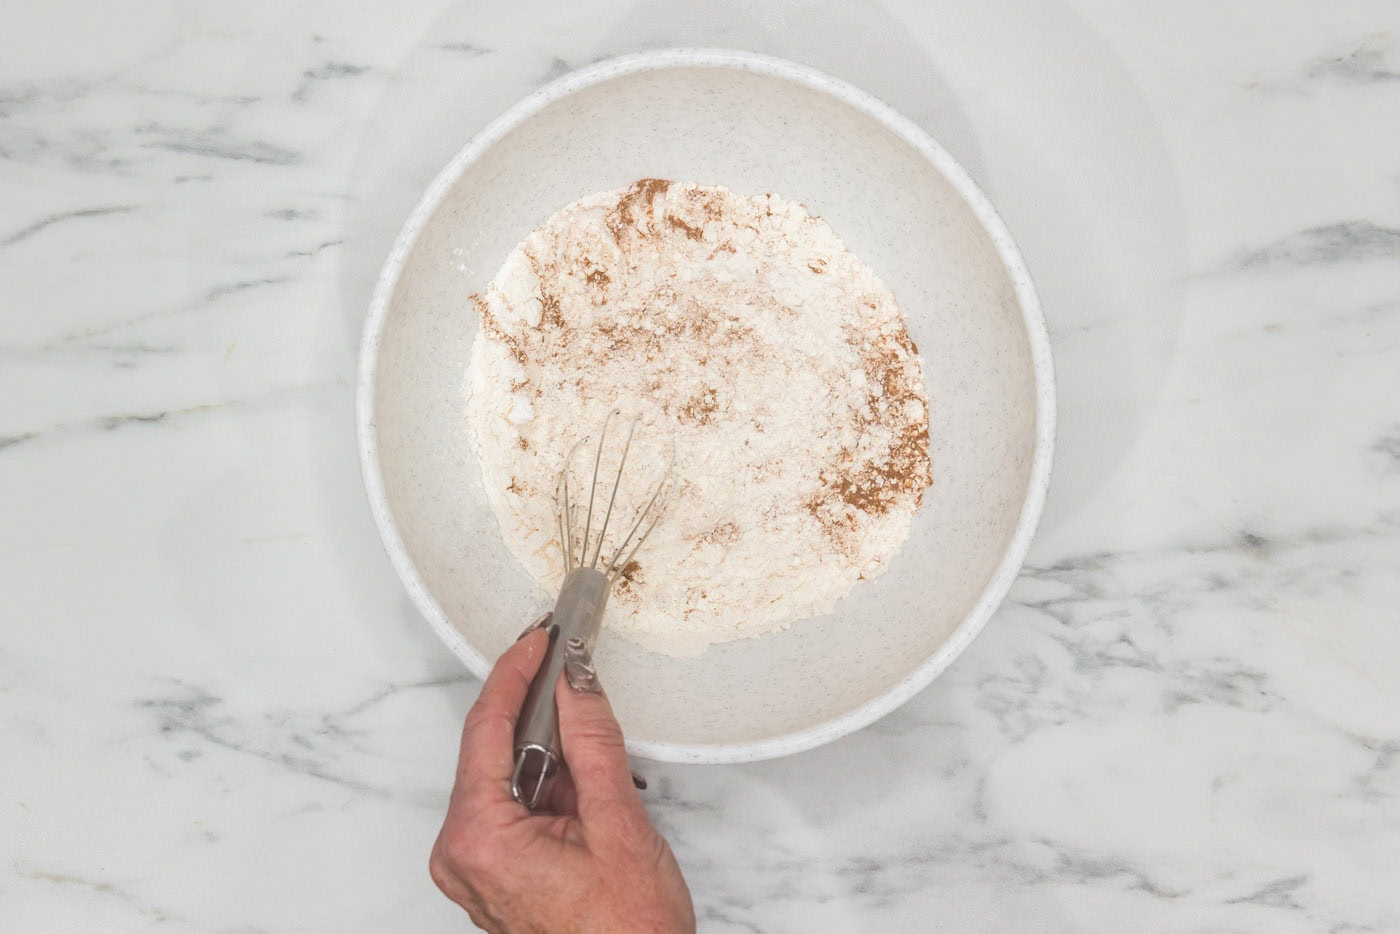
{"points": [[578, 614]]}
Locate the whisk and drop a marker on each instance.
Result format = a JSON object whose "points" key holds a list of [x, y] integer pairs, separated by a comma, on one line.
{"points": [[592, 565]]}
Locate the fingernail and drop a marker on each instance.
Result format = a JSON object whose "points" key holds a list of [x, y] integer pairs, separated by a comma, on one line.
{"points": [[638, 782], [540, 623], [578, 668]]}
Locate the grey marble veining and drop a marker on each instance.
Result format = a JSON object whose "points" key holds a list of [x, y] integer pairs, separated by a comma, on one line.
{"points": [[219, 713]]}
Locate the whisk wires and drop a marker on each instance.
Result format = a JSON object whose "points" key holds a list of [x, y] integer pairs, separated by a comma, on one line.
{"points": [[619, 564], [577, 550], [565, 511]]}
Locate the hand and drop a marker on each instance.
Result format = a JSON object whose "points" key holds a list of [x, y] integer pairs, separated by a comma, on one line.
{"points": [[590, 860]]}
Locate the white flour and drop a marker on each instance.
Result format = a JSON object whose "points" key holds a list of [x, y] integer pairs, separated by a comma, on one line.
{"points": [[742, 329]]}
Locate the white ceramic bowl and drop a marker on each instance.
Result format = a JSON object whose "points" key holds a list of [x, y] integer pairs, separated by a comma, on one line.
{"points": [[901, 204]]}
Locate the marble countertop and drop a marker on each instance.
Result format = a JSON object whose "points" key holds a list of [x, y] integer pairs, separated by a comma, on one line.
{"points": [[220, 713]]}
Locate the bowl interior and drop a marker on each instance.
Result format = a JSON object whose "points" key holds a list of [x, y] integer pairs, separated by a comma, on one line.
{"points": [[754, 131]]}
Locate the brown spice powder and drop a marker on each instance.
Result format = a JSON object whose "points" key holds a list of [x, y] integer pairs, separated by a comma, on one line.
{"points": [[593, 319]]}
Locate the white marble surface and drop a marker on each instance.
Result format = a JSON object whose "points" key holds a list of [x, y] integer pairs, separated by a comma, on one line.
{"points": [[219, 713]]}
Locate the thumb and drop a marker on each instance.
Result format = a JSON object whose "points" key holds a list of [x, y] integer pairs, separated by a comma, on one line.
{"points": [[596, 755]]}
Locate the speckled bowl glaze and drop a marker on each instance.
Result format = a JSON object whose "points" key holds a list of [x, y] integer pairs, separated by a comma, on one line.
{"points": [[899, 202]]}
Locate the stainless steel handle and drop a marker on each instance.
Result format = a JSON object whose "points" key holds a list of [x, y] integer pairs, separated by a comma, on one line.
{"points": [[578, 614]]}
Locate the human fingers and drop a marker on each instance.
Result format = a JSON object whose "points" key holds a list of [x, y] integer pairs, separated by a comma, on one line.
{"points": [[596, 756], [562, 799], [487, 755]]}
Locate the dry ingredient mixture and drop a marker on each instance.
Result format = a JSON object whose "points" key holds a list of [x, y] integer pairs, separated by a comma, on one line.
{"points": [[741, 329]]}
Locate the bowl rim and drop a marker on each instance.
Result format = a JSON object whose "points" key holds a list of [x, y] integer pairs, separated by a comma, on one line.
{"points": [[1032, 316]]}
